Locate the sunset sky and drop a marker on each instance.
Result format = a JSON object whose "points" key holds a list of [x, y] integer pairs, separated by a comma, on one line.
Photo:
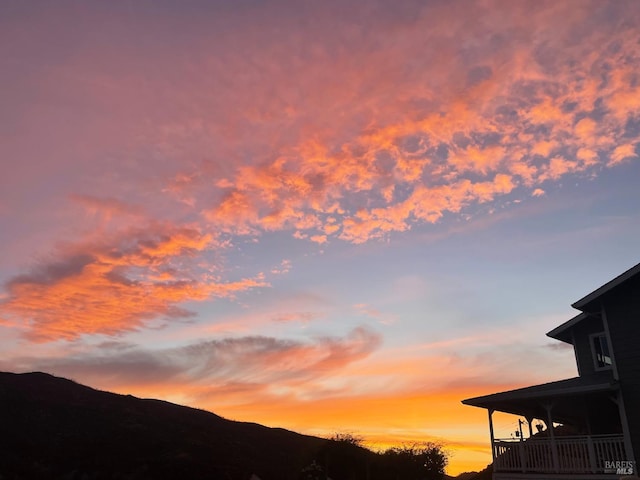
{"points": [[327, 216]]}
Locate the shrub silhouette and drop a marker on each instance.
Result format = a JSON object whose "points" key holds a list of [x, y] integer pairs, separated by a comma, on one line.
{"points": [[344, 457]]}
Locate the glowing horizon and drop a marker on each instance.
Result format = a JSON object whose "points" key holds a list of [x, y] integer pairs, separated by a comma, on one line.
{"points": [[340, 216]]}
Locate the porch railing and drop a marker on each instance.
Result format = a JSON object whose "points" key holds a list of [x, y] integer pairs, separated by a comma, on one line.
{"points": [[575, 454]]}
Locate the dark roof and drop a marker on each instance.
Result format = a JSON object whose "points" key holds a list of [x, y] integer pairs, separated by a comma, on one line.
{"points": [[563, 332], [585, 303], [588, 304], [529, 401]]}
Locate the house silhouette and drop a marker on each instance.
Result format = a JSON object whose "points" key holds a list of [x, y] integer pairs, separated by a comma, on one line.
{"points": [[597, 413]]}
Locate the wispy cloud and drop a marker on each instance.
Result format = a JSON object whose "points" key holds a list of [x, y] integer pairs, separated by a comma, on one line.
{"points": [[257, 363], [296, 317], [115, 284], [106, 207], [368, 310]]}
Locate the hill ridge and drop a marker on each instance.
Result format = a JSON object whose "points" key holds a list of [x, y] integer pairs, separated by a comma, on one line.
{"points": [[54, 427]]}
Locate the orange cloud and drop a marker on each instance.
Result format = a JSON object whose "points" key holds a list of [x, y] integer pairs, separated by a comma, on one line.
{"points": [[622, 153], [476, 159], [543, 148], [558, 167], [115, 284], [547, 111], [516, 114], [318, 239]]}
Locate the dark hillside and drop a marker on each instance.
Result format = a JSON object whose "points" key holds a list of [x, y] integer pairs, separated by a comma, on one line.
{"points": [[54, 428]]}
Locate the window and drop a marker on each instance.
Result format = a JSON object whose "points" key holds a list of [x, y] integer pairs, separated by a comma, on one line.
{"points": [[600, 349]]}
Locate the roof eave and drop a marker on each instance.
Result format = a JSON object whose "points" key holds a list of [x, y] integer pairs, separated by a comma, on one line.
{"points": [[584, 302], [561, 332]]}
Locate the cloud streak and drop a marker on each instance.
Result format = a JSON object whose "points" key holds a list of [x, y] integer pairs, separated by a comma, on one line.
{"points": [[257, 364], [116, 284]]}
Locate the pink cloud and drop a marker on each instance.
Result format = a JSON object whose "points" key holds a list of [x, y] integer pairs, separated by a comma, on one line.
{"points": [[303, 317], [107, 207], [283, 268], [320, 239]]}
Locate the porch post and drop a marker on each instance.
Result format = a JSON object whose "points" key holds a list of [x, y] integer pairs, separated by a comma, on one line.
{"points": [[592, 454], [493, 449], [530, 421], [554, 447], [529, 461], [521, 447], [619, 400], [625, 428]]}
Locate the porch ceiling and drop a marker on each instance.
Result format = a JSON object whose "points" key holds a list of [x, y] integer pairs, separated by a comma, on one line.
{"points": [[567, 398]]}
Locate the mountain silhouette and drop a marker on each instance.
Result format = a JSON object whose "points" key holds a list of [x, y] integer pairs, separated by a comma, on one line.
{"points": [[51, 427]]}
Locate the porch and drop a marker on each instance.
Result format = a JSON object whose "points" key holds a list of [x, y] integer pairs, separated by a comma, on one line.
{"points": [[583, 456], [585, 431]]}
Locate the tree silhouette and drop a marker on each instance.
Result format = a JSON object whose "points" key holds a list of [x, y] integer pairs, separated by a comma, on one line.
{"points": [[344, 457], [423, 461]]}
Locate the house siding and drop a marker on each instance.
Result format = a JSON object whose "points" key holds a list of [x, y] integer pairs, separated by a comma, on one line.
{"points": [[622, 308]]}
